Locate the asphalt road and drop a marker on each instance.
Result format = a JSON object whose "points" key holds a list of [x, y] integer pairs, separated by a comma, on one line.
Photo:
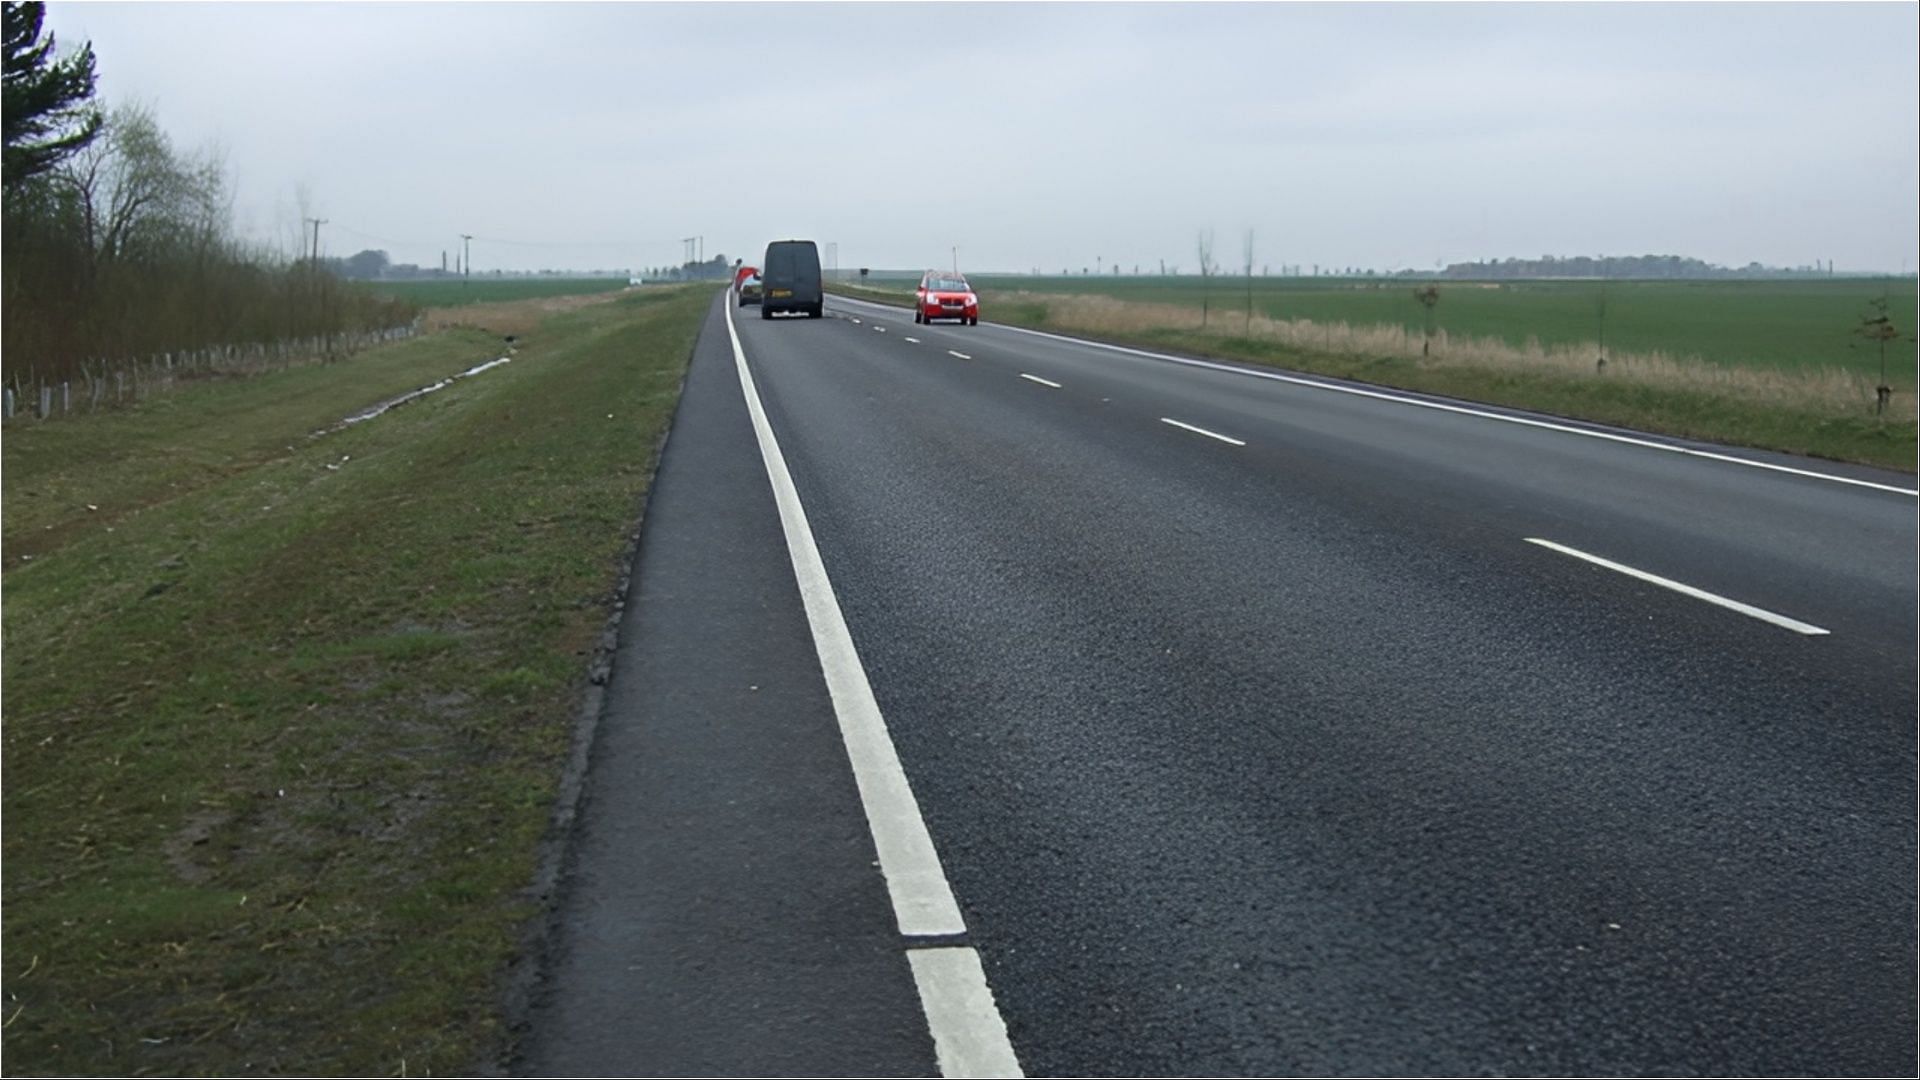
{"points": [[1258, 734]]}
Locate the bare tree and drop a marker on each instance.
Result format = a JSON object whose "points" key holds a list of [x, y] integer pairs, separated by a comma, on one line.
{"points": [[1877, 326], [1203, 245], [1429, 298], [132, 193]]}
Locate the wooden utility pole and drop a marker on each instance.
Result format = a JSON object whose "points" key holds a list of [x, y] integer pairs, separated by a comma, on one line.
{"points": [[316, 223]]}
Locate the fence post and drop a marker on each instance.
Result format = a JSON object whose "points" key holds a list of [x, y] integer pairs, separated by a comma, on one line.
{"points": [[9, 404], [46, 402], [66, 397]]}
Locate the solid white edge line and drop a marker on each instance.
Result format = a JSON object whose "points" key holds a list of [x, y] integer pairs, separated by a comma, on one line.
{"points": [[1762, 614], [1041, 381], [969, 1036], [1462, 410], [923, 903], [1202, 431], [961, 355]]}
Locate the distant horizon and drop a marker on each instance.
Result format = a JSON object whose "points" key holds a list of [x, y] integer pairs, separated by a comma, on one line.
{"points": [[603, 273]]}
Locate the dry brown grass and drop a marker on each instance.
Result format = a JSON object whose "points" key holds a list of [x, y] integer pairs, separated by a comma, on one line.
{"points": [[1818, 390], [515, 317]]}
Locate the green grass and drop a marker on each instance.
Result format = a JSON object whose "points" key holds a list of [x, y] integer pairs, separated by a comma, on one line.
{"points": [[1746, 323], [281, 739], [453, 292]]}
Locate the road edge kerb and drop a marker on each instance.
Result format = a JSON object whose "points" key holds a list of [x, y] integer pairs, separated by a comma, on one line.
{"points": [[529, 966]]}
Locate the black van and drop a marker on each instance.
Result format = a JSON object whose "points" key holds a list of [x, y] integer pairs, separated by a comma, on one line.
{"points": [[790, 278]]}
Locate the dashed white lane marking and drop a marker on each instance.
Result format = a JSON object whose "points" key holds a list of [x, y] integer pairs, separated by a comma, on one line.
{"points": [[879, 329], [969, 1036], [1465, 411], [1483, 414], [1762, 614], [856, 322], [1041, 381], [1202, 431], [961, 355], [914, 340]]}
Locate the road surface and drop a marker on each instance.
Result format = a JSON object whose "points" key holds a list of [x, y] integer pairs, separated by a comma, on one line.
{"points": [[1260, 725]]}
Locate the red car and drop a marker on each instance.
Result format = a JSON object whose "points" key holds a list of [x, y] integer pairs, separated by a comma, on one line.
{"points": [[945, 296], [743, 274]]}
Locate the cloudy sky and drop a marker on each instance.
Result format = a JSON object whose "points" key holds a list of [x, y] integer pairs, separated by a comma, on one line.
{"points": [[1374, 134]]}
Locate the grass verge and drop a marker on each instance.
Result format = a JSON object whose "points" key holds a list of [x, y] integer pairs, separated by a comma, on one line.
{"points": [[457, 292], [1815, 411], [285, 714]]}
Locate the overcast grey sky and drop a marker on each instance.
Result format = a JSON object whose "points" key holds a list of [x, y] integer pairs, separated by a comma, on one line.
{"points": [[1376, 135]]}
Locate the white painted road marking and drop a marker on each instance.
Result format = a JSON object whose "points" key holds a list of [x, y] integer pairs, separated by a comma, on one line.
{"points": [[969, 1036], [914, 340], [879, 329], [1041, 381], [1202, 431], [1465, 411], [961, 355], [922, 901], [1762, 614]]}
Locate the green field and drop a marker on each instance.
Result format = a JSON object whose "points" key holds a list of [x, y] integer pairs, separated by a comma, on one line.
{"points": [[1757, 323], [286, 712], [453, 292]]}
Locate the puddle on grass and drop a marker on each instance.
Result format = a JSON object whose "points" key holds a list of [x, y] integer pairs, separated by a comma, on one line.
{"points": [[410, 395]]}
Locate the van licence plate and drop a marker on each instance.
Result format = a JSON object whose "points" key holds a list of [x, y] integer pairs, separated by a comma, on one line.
{"points": [[783, 292]]}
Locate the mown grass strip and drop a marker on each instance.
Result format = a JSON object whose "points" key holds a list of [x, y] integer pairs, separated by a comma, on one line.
{"points": [[282, 739], [1763, 407]]}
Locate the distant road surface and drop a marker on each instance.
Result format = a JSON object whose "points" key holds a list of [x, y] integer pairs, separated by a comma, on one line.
{"points": [[1263, 727]]}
